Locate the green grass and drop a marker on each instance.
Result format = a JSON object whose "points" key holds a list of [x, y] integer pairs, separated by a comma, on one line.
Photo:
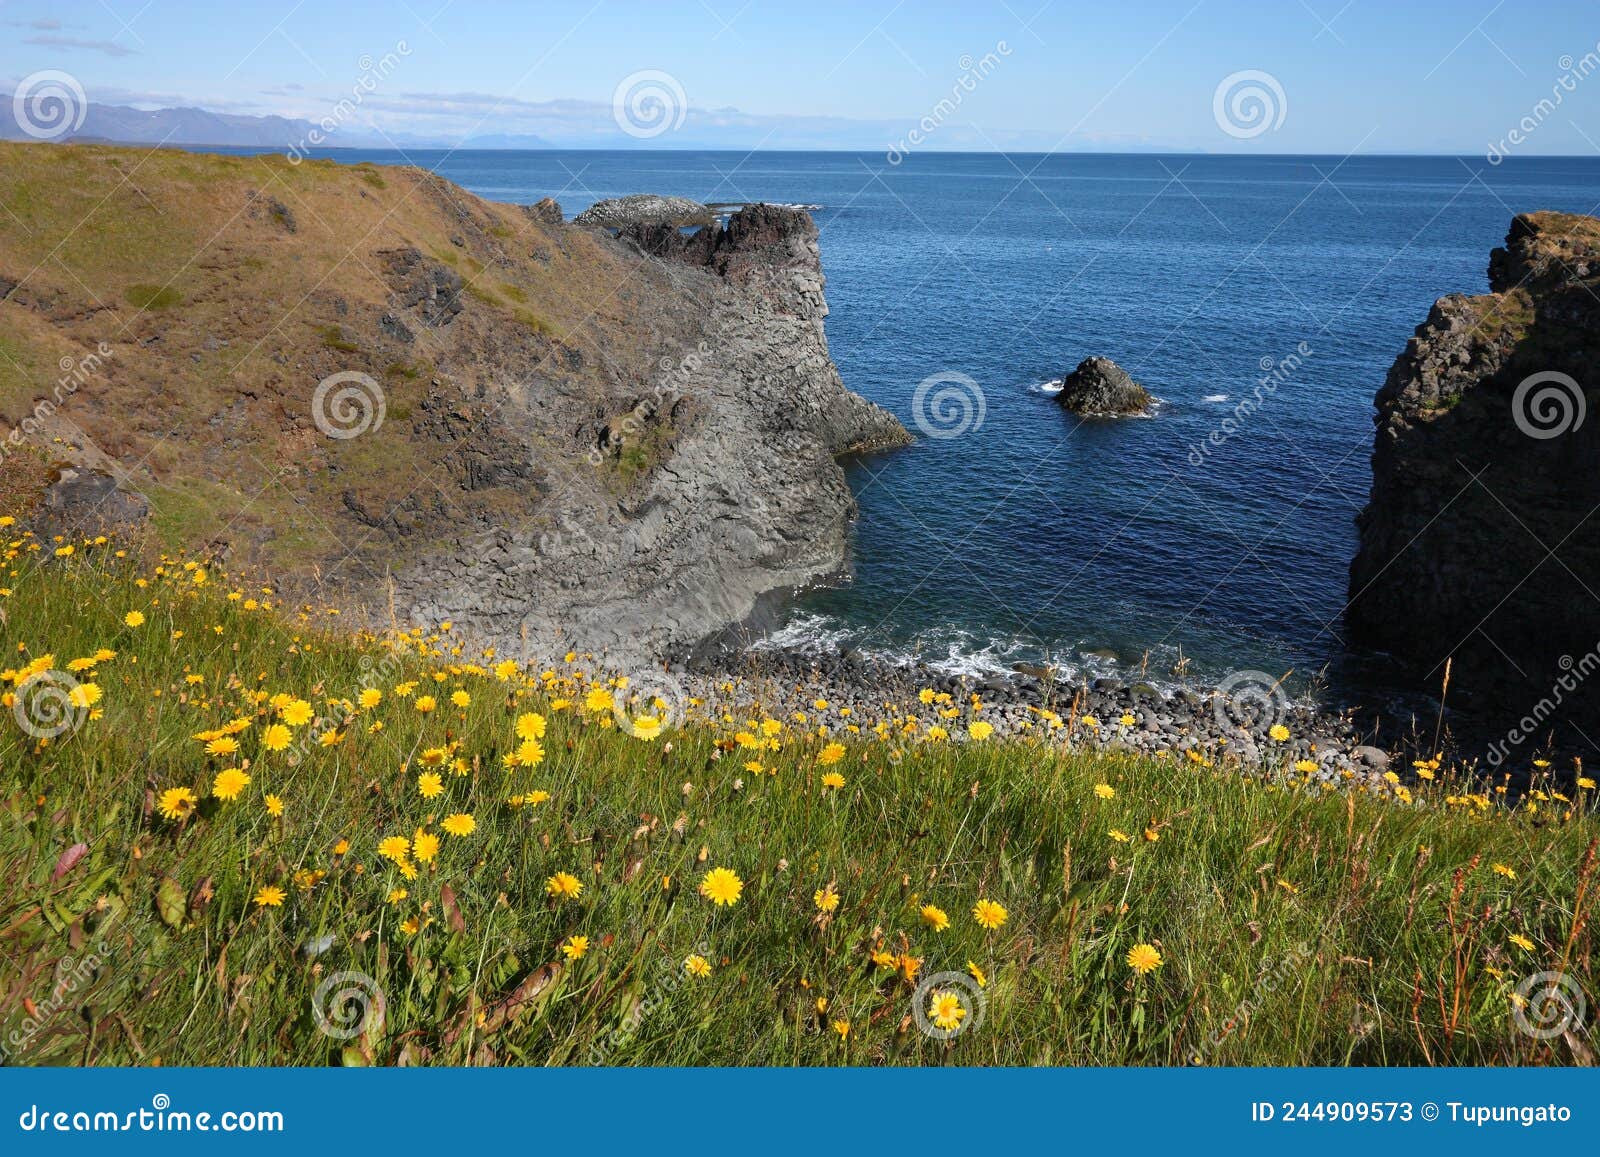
{"points": [[153, 296], [1326, 926]]}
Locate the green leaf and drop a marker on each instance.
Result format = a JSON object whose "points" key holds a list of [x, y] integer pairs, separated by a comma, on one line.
{"points": [[172, 902], [351, 1057]]}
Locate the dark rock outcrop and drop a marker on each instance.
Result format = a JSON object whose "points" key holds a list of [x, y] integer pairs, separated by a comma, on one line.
{"points": [[1478, 543], [421, 283], [83, 501], [1101, 388], [547, 211]]}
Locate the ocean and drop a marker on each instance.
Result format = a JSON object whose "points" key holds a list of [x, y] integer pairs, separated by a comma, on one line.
{"points": [[1199, 541]]}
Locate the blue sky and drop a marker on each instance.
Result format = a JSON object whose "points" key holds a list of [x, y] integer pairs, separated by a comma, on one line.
{"points": [[1367, 75]]}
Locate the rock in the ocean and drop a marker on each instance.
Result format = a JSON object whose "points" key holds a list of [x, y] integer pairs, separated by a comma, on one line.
{"points": [[645, 209], [1099, 387]]}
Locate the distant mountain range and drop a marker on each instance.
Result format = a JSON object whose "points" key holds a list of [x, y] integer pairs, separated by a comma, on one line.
{"points": [[560, 125], [173, 126]]}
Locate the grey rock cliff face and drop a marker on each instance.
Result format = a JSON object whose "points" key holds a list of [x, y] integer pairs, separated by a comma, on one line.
{"points": [[666, 511], [1478, 543]]}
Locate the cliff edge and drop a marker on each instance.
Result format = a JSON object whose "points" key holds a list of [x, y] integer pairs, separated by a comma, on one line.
{"points": [[1479, 543], [374, 387]]}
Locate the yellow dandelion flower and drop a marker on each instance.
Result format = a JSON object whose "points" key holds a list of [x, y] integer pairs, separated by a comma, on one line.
{"points": [[1144, 959], [563, 886], [1279, 733], [223, 745], [1119, 835], [461, 699], [977, 974], [1104, 790], [296, 713], [935, 917], [277, 737], [270, 896], [826, 899], [425, 846], [273, 804], [831, 754], [574, 947], [1505, 870], [425, 703], [459, 824], [134, 619], [722, 887], [429, 785], [229, 784], [530, 725], [697, 966], [369, 698], [989, 914], [394, 848], [832, 779], [1521, 941], [945, 1011], [980, 730], [177, 803]]}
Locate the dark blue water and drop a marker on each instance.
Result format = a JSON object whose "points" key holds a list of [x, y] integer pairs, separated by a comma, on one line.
{"points": [[1033, 535]]}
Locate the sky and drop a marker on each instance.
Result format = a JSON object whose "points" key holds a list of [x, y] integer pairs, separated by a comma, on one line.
{"points": [[1311, 76]]}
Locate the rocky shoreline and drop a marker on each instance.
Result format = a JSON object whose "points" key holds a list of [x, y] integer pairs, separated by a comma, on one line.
{"points": [[1228, 726]]}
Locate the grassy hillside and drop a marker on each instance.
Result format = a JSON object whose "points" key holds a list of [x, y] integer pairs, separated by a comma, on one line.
{"points": [[223, 289], [224, 811]]}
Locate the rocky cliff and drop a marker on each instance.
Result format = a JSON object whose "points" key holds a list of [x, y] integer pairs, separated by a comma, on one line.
{"points": [[375, 387], [1479, 542]]}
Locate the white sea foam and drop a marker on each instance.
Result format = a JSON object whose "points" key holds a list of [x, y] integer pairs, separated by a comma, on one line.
{"points": [[1215, 398], [1053, 386]]}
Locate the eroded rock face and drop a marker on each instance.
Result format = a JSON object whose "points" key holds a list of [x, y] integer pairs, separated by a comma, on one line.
{"points": [[728, 452], [1101, 388], [1478, 544]]}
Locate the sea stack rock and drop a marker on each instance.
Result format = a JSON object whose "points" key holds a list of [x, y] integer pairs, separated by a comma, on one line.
{"points": [[1477, 543], [1100, 388], [646, 209]]}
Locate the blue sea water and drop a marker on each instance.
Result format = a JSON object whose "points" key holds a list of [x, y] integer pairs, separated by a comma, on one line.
{"points": [[1034, 536]]}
